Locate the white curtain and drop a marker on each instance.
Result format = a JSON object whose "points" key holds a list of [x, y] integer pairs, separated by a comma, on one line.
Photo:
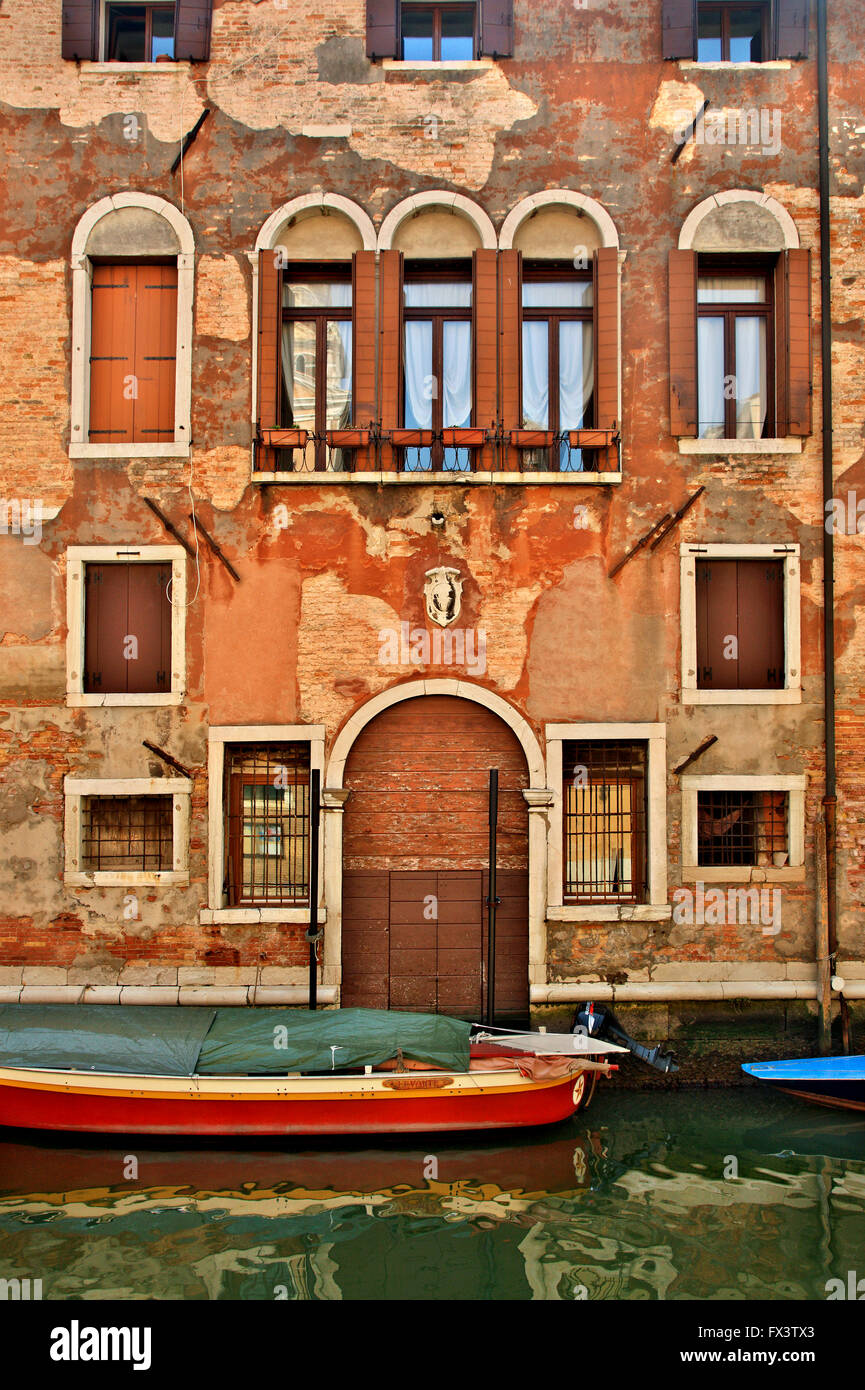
{"points": [[536, 375], [576, 373], [751, 395], [457, 385], [419, 382], [710, 377]]}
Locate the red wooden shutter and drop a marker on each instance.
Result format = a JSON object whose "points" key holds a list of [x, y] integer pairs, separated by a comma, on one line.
{"points": [[269, 335], [497, 28], [390, 324], [363, 300], [791, 28], [192, 31], [606, 288], [155, 363], [679, 27], [112, 354], [797, 366], [382, 28], [485, 346], [79, 33], [683, 343], [717, 622], [510, 344], [124, 601], [760, 601]]}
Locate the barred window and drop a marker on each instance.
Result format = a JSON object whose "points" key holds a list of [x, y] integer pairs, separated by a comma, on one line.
{"points": [[267, 793], [742, 828], [127, 832], [605, 821]]}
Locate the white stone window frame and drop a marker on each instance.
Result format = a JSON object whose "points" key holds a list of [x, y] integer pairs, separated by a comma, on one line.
{"points": [[218, 736], [689, 554], [792, 783], [75, 789], [657, 908], [79, 556], [80, 446]]}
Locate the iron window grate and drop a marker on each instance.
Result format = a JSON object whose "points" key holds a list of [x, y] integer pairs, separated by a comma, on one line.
{"points": [[127, 832], [267, 790], [604, 786], [742, 829]]}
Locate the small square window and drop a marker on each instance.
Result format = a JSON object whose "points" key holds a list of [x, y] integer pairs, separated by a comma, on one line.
{"points": [[438, 33], [122, 833], [744, 829], [732, 33], [138, 33]]}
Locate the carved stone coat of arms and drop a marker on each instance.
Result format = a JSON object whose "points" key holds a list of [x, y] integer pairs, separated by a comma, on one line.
{"points": [[443, 592]]}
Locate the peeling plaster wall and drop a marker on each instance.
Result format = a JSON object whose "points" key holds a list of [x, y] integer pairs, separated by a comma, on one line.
{"points": [[585, 105]]}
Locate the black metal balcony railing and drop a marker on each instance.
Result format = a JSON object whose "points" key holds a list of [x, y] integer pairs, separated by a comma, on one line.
{"points": [[456, 451]]}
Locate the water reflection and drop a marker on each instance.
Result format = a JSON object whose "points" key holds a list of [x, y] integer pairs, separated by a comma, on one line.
{"points": [[633, 1206]]}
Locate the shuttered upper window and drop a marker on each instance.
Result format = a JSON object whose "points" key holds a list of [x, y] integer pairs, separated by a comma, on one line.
{"points": [[558, 360], [735, 31], [734, 352], [450, 31], [133, 353], [123, 31], [127, 628]]}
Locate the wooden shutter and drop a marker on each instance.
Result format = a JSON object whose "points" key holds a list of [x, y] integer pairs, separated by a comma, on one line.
{"points": [[124, 601], [683, 343], [497, 28], [485, 346], [795, 362], [382, 28], [679, 27], [112, 354], [791, 28], [390, 330], [510, 345], [363, 357], [606, 322], [155, 362], [192, 31], [717, 622], [79, 32], [760, 602], [269, 337]]}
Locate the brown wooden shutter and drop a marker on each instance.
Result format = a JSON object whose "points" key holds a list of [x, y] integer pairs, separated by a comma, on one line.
{"points": [[155, 363], [679, 28], [760, 602], [497, 28], [390, 329], [791, 28], [112, 354], [192, 31], [382, 28], [269, 336], [363, 357], [683, 343], [796, 362], [124, 601], [80, 33], [717, 621], [606, 289], [485, 346], [510, 346]]}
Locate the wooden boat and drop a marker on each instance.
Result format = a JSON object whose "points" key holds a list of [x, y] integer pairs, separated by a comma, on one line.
{"points": [[177, 1074], [835, 1081]]}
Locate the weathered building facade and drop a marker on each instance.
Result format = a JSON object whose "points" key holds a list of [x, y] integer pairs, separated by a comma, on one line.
{"points": [[347, 352]]}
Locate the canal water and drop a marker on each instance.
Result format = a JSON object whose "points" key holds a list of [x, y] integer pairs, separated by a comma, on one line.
{"points": [[693, 1195]]}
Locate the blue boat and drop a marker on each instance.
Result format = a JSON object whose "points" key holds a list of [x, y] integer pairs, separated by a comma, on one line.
{"points": [[838, 1081]]}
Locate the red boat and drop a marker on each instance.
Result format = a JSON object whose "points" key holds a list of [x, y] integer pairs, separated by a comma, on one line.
{"points": [[431, 1078]]}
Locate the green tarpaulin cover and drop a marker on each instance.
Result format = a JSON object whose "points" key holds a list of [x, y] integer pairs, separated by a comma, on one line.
{"points": [[270, 1041], [172, 1041], [158, 1041]]}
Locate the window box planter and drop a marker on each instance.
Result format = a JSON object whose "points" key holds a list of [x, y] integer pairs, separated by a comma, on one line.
{"points": [[532, 439], [591, 439], [284, 439], [411, 439], [464, 439], [347, 439]]}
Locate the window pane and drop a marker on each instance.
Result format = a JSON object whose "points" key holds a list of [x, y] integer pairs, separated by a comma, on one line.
{"points": [[557, 294], [709, 36], [322, 294], [438, 294], [298, 373], [419, 382], [750, 377], [162, 41], [536, 380], [457, 398], [731, 289], [458, 35], [710, 377], [338, 375], [417, 35], [576, 374], [746, 32], [127, 29]]}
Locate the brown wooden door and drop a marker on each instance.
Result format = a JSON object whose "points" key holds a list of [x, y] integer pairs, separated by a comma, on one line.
{"points": [[415, 854]]}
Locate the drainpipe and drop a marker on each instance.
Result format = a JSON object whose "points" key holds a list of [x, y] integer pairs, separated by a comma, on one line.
{"points": [[828, 946]]}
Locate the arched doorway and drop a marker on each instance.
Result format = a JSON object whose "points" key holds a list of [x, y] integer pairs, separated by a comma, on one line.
{"points": [[415, 861]]}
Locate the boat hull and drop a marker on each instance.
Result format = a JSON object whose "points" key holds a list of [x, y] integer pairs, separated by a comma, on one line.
{"points": [[834, 1081], [98, 1103]]}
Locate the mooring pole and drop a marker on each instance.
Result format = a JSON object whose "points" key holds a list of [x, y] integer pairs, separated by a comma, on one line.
{"points": [[492, 900], [313, 934]]}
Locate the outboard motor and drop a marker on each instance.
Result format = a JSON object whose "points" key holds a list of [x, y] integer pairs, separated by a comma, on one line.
{"points": [[600, 1022]]}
